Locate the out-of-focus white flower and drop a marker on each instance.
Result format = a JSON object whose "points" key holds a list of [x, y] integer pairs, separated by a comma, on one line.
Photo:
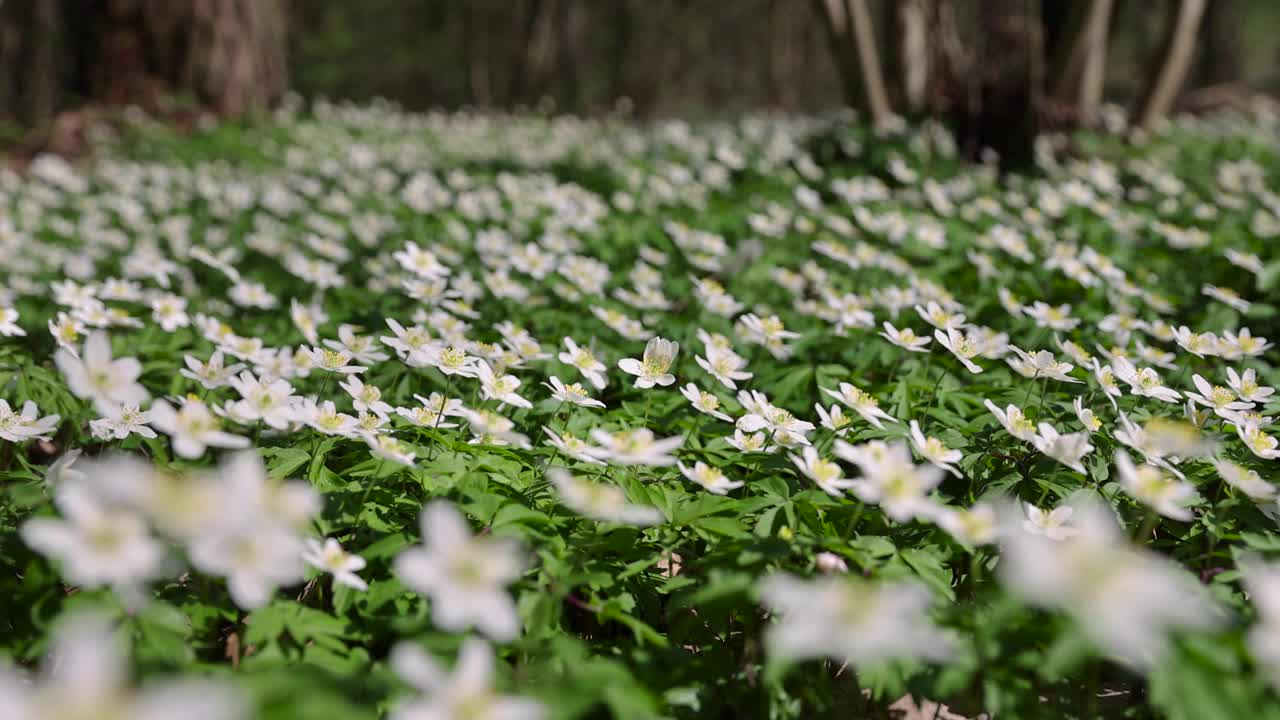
{"points": [[1068, 449], [598, 501], [465, 694], [1125, 598], [192, 428], [464, 576], [85, 677], [95, 376], [851, 620], [637, 446]]}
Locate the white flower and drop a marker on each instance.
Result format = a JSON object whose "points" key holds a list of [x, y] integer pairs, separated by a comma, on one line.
{"points": [[20, 427], [9, 323], [192, 428], [574, 447], [1154, 488], [432, 411], [453, 360], [1052, 524], [1228, 296], [66, 331], [464, 576], [891, 480], [255, 557], [905, 338], [325, 418], [962, 345], [359, 347], [1086, 417], [96, 543], [331, 558], [710, 478], [1015, 422], [976, 525], [501, 388], [125, 421], [271, 402], [85, 678], [385, 446], [1258, 442], [834, 419], [307, 318], [585, 362], [1068, 449], [634, 447], [851, 620], [1042, 364], [599, 501], [1198, 344], [95, 376], [1246, 481], [751, 442], [940, 318], [1057, 318], [1145, 382], [724, 365], [414, 345], [420, 262], [465, 694], [659, 354], [861, 402], [826, 474], [335, 361], [934, 450], [365, 397], [704, 402], [1106, 378], [1246, 386], [1125, 598], [1221, 400], [210, 375], [573, 393], [1243, 344], [170, 312]]}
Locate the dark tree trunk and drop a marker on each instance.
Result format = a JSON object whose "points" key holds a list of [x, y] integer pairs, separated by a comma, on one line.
{"points": [[1010, 74], [229, 55], [1220, 53]]}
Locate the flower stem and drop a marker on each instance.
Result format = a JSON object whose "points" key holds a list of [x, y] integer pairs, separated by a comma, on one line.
{"points": [[435, 427]]}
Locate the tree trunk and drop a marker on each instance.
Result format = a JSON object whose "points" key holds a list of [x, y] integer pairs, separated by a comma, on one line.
{"points": [[1176, 61], [228, 55], [852, 38], [1220, 60], [1082, 75], [1010, 71], [32, 60], [914, 52]]}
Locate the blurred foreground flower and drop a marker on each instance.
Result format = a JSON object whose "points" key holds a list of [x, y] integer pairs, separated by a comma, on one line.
{"points": [[84, 678]]}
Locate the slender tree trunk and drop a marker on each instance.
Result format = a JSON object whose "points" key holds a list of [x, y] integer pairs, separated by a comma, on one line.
{"points": [[1093, 79], [914, 52], [1082, 75], [864, 41], [852, 37], [1173, 68], [1220, 60]]}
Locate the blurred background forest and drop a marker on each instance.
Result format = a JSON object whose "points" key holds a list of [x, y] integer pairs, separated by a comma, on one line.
{"points": [[1000, 66], [688, 57]]}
